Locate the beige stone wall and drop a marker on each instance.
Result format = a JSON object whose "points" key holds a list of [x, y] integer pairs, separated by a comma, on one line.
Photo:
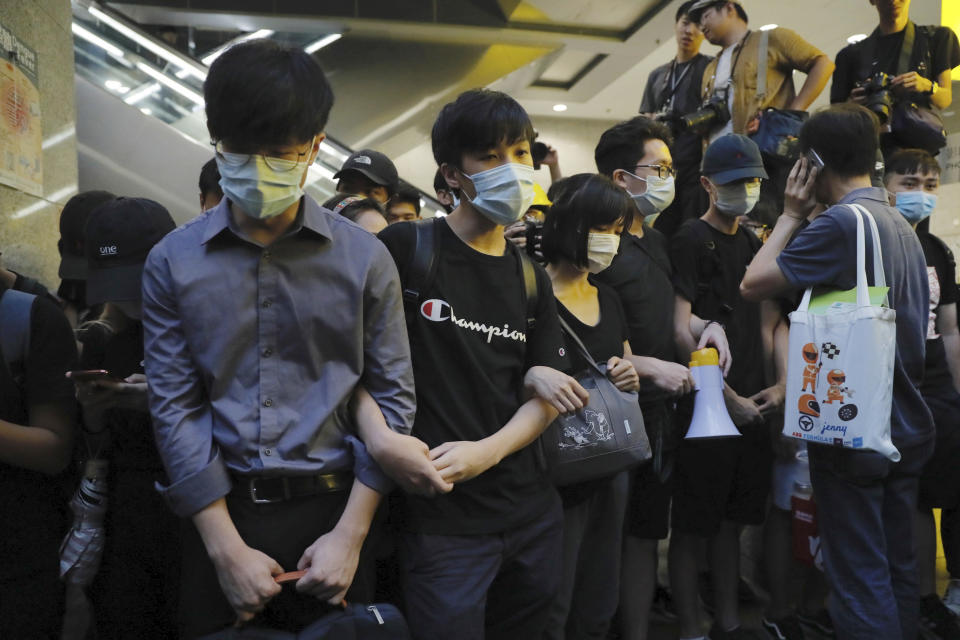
{"points": [[29, 242]]}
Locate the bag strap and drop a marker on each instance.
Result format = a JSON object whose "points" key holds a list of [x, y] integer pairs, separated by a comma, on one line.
{"points": [[530, 290], [581, 348], [423, 265], [906, 50], [15, 309], [764, 45], [863, 292]]}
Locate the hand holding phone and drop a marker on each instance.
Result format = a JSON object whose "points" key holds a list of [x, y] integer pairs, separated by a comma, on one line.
{"points": [[91, 375]]}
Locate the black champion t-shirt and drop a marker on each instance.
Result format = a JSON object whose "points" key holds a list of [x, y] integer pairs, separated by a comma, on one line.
{"points": [[708, 267], [470, 350]]}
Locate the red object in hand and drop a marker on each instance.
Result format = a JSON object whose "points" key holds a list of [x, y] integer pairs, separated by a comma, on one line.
{"points": [[289, 576]]}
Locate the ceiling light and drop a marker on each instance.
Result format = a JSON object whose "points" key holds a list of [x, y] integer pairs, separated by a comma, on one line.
{"points": [[141, 93], [146, 43], [559, 107], [189, 94], [113, 84], [854, 39], [322, 42], [256, 35], [93, 38], [145, 111], [768, 27]]}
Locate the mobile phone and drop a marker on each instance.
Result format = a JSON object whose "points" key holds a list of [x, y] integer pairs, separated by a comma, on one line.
{"points": [[90, 375], [814, 159]]}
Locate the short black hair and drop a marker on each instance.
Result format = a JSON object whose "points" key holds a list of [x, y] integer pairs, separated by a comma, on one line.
{"points": [[622, 145], [478, 119], [439, 182], [581, 202], [407, 194], [210, 179], [845, 136], [260, 93], [907, 161], [350, 206], [684, 10]]}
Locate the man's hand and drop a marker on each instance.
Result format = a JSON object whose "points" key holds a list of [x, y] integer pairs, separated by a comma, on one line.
{"points": [[671, 377], [99, 395], [911, 82], [858, 96], [462, 460], [770, 400], [552, 159], [622, 374], [406, 460], [331, 563], [517, 234], [246, 578], [754, 125], [714, 336], [800, 197], [556, 388], [743, 411]]}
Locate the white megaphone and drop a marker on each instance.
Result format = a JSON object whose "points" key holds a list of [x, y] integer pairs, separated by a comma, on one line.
{"points": [[710, 417]]}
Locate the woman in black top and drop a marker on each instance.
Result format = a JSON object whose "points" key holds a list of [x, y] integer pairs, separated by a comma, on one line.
{"points": [[134, 593], [581, 236]]}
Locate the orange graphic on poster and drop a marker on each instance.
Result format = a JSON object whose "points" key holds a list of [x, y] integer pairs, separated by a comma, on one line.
{"points": [[835, 392], [21, 139]]}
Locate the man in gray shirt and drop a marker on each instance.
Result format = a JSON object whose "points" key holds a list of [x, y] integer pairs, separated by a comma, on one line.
{"points": [[261, 317]]}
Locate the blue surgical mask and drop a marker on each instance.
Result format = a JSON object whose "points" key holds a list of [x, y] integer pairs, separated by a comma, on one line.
{"points": [[658, 196], [737, 199], [504, 193], [259, 190], [916, 206]]}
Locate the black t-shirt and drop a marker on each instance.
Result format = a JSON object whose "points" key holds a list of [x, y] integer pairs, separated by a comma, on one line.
{"points": [[641, 276], [471, 348], [941, 273], [33, 504], [131, 434], [935, 50], [676, 88], [708, 267]]}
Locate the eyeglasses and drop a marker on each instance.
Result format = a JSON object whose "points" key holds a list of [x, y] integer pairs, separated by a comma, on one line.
{"points": [[280, 165], [663, 171]]}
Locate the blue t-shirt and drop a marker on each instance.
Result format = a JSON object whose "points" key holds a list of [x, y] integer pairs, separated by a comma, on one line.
{"points": [[825, 253]]}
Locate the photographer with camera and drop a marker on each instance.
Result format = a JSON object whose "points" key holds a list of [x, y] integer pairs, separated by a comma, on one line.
{"points": [[672, 91], [899, 66], [738, 98]]}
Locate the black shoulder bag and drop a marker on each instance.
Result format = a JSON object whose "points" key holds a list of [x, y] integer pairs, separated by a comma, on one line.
{"points": [[604, 438]]}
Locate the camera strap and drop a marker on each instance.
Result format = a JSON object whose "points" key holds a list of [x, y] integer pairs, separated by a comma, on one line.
{"points": [[763, 45], [906, 51], [672, 83], [733, 67]]}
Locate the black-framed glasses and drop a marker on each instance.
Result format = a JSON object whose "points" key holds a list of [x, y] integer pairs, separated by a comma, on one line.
{"points": [[663, 171], [280, 165]]}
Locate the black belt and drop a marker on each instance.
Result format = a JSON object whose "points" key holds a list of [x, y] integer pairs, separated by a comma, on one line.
{"points": [[268, 489]]}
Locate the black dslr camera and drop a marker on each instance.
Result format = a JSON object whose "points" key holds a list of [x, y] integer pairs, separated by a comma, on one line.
{"points": [[714, 113], [879, 98]]}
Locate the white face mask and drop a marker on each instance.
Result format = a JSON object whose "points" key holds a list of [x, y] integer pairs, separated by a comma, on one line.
{"points": [[658, 196], [601, 250], [259, 190], [504, 193], [737, 199]]}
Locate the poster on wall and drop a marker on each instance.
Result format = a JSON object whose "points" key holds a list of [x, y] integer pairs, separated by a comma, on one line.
{"points": [[21, 141], [950, 160]]}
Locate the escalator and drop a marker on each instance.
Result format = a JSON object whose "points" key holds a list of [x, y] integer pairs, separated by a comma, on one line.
{"points": [[140, 114]]}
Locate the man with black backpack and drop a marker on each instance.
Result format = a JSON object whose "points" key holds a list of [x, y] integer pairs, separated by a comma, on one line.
{"points": [[899, 63], [37, 413], [481, 561], [722, 484]]}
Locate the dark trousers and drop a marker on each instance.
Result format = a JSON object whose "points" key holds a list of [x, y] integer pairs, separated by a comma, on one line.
{"points": [[590, 583], [865, 511], [482, 587], [950, 535], [282, 530]]}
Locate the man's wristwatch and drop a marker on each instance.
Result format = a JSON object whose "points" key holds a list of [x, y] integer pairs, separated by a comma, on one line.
{"points": [[933, 89]]}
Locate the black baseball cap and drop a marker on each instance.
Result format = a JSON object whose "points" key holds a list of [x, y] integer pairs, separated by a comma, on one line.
{"points": [[732, 157], [73, 220], [120, 234], [373, 165]]}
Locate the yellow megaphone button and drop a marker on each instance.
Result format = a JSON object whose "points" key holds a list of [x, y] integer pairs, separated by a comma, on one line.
{"points": [[705, 357]]}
